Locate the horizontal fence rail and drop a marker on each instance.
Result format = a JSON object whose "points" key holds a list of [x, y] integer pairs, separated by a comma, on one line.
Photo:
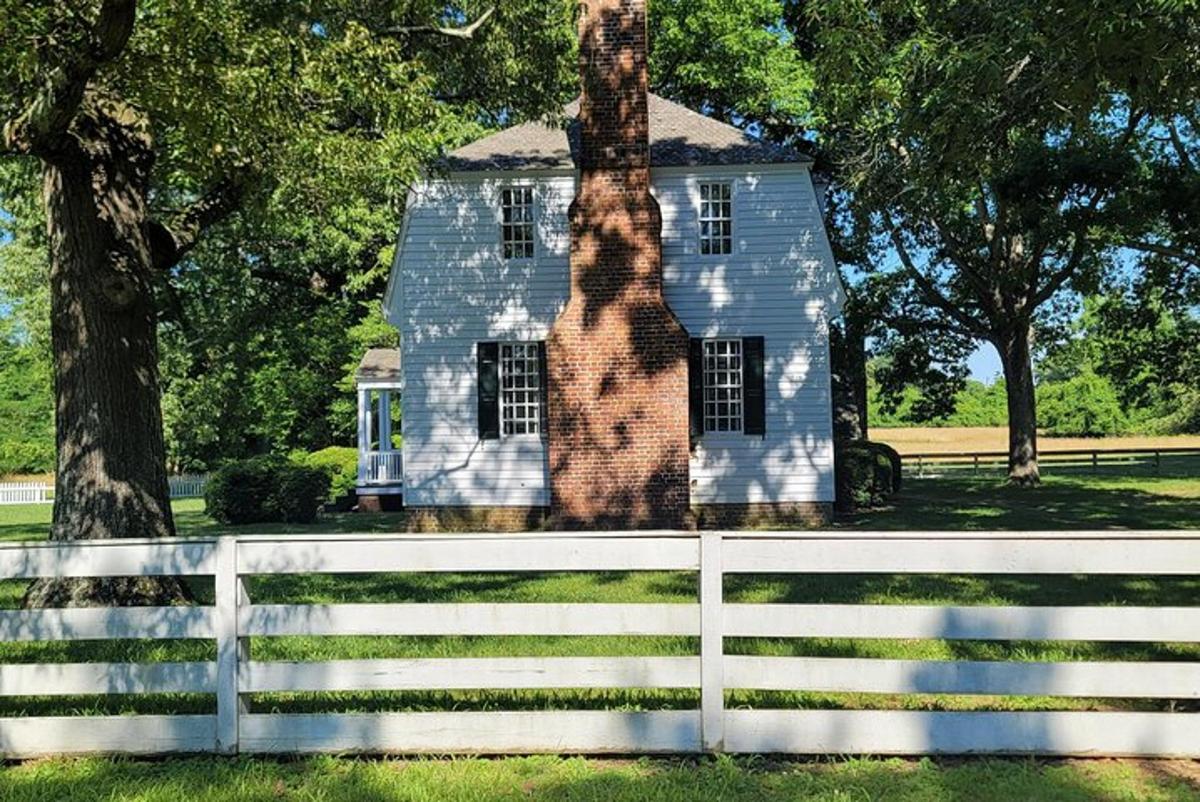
{"points": [[183, 486], [233, 619], [935, 464]]}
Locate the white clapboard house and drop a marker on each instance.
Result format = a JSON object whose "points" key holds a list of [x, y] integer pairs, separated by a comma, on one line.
{"points": [[483, 269]]}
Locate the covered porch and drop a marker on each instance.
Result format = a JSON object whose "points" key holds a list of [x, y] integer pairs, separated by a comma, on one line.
{"points": [[380, 465]]}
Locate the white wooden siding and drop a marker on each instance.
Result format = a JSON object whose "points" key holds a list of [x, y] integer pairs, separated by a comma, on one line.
{"points": [[779, 283], [453, 290]]}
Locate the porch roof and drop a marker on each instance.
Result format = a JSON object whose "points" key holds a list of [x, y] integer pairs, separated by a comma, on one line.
{"points": [[379, 365]]}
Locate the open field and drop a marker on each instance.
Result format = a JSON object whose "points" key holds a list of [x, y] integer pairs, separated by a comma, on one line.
{"points": [[919, 440]]}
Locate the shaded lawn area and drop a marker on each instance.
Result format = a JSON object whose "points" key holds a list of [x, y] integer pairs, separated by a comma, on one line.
{"points": [[1064, 501], [32, 522], [587, 780]]}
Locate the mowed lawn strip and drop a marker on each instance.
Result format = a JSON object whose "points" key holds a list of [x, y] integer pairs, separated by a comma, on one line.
{"points": [[334, 779]]}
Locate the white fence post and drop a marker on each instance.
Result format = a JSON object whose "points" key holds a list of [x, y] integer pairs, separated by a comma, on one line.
{"points": [[712, 674], [229, 595]]}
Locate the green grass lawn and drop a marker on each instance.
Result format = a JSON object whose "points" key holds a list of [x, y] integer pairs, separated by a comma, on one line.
{"points": [[1064, 501], [959, 503], [583, 780]]}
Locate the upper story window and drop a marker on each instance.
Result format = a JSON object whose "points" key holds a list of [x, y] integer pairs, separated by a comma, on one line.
{"points": [[723, 385], [520, 388], [516, 222], [716, 217]]}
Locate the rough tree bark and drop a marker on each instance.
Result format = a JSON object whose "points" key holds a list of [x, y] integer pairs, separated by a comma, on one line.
{"points": [[96, 156], [111, 476], [1017, 361]]}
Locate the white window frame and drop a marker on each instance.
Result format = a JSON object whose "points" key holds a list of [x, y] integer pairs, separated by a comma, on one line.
{"points": [[703, 215], [532, 206], [723, 367], [530, 410]]}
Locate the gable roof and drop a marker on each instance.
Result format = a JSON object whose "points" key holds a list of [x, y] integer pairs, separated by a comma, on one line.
{"points": [[678, 137]]}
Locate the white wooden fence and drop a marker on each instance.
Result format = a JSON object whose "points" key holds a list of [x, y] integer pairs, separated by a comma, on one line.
{"points": [[235, 618], [25, 492], [181, 486]]}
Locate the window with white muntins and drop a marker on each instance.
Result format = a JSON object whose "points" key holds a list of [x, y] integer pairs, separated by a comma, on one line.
{"points": [[716, 217], [520, 389], [723, 384], [516, 222]]}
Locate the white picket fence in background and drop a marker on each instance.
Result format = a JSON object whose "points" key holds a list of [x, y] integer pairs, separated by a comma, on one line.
{"points": [[235, 727], [25, 492], [182, 486]]}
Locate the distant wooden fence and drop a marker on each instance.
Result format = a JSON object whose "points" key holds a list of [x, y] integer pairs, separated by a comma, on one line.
{"points": [[234, 726], [25, 492], [182, 486], [933, 464]]}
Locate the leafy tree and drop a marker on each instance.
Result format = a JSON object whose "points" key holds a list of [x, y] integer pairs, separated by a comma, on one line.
{"points": [[733, 61], [1085, 405], [1144, 338], [26, 405], [151, 123], [987, 145]]}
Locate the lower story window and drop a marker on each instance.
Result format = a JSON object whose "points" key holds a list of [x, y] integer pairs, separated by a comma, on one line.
{"points": [[520, 389], [723, 385]]}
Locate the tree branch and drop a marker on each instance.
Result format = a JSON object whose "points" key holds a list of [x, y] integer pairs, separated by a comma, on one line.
{"points": [[172, 241], [465, 32], [1177, 142], [1062, 274], [928, 289], [1163, 250], [48, 116]]}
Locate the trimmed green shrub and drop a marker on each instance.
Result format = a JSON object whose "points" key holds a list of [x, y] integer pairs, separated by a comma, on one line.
{"points": [[340, 462], [266, 490], [866, 474]]}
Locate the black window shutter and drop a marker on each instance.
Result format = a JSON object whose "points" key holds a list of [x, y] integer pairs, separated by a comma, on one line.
{"points": [[755, 412], [696, 386], [543, 385], [489, 391]]}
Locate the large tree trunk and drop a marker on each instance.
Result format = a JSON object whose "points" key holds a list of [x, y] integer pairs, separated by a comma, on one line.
{"points": [[111, 467], [1017, 360], [849, 376]]}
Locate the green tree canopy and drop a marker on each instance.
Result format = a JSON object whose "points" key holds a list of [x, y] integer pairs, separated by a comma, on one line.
{"points": [[990, 145]]}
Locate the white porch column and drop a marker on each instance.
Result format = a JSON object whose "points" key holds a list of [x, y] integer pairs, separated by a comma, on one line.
{"points": [[385, 420], [364, 432]]}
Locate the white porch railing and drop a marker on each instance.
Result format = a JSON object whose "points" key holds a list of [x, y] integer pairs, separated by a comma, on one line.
{"points": [[381, 468], [235, 619]]}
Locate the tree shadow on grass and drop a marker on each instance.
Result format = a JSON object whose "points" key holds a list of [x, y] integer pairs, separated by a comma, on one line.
{"points": [[1060, 503]]}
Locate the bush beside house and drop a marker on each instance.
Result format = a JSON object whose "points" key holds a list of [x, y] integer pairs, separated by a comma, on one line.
{"points": [[266, 489], [341, 463], [866, 473]]}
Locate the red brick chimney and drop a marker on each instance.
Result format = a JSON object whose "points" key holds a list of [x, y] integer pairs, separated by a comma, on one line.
{"points": [[617, 356]]}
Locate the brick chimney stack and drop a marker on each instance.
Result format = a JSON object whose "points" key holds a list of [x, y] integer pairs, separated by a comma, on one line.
{"points": [[616, 356]]}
